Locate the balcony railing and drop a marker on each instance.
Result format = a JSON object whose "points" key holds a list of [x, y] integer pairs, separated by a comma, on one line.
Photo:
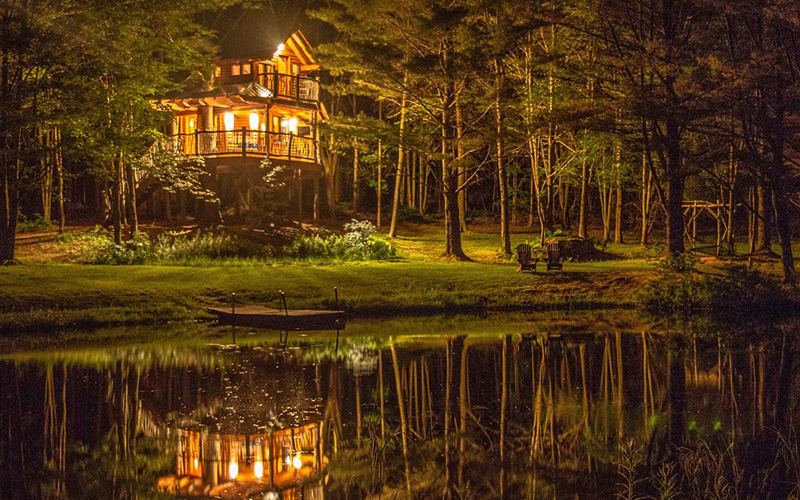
{"points": [[244, 142], [299, 88]]}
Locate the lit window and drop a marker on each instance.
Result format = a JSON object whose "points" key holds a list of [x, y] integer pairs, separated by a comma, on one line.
{"points": [[235, 70], [229, 121], [246, 69], [217, 71]]}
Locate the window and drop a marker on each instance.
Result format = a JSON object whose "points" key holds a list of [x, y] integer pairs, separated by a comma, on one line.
{"points": [[246, 69], [217, 71], [235, 70]]}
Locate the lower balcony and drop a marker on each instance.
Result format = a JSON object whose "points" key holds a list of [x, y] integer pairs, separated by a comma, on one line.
{"points": [[248, 143]]}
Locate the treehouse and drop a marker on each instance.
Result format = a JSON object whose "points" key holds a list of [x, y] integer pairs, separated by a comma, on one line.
{"points": [[263, 106], [276, 463]]}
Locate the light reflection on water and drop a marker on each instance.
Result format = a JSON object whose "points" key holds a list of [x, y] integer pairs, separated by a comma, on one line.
{"points": [[513, 411]]}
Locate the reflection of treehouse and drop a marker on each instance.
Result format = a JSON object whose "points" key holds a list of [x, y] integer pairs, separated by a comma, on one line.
{"points": [[285, 463]]}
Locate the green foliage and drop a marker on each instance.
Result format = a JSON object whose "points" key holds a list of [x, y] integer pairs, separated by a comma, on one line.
{"points": [[98, 247], [679, 287], [676, 287], [37, 223], [358, 243]]}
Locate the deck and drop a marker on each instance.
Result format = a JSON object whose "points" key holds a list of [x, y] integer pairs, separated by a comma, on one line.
{"points": [[247, 143], [279, 319]]}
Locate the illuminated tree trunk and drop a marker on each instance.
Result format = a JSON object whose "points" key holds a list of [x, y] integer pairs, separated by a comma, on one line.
{"points": [[398, 178], [462, 171]]}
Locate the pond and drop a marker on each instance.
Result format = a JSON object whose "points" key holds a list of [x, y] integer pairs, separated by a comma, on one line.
{"points": [[539, 407]]}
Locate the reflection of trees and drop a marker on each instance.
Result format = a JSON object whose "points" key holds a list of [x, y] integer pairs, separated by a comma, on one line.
{"points": [[593, 399]]}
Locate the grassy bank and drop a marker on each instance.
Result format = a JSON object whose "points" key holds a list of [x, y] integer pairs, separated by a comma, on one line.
{"points": [[40, 296], [48, 290]]}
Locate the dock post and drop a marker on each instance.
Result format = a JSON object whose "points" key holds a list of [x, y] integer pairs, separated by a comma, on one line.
{"points": [[233, 315], [283, 297], [336, 293]]}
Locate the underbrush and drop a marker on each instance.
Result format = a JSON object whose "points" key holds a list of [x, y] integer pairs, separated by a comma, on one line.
{"points": [[358, 243], [98, 247], [37, 222], [209, 248], [679, 287]]}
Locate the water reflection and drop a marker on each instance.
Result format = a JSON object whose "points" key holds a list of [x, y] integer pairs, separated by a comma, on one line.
{"points": [[527, 415]]}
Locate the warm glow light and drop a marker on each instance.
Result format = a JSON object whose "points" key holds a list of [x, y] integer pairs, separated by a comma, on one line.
{"points": [[228, 121], [195, 463], [233, 470], [290, 125], [191, 124], [258, 469], [263, 127], [297, 462], [278, 52], [254, 121]]}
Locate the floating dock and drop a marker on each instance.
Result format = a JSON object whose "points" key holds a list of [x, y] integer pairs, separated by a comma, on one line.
{"points": [[279, 319]]}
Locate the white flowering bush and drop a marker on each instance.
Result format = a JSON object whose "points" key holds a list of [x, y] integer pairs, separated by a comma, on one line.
{"points": [[358, 243]]}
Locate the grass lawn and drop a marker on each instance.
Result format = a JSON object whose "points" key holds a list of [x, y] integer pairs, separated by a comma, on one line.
{"points": [[39, 294]]}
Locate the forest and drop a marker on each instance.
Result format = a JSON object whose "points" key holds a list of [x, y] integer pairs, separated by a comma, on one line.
{"points": [[615, 118]]}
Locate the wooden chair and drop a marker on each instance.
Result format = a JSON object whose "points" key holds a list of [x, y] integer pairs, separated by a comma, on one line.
{"points": [[554, 258], [525, 259]]}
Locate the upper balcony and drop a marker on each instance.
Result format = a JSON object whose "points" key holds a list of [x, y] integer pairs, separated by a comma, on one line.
{"points": [[290, 87]]}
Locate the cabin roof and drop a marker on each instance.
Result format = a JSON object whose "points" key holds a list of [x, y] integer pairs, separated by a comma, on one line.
{"points": [[297, 43], [245, 90]]}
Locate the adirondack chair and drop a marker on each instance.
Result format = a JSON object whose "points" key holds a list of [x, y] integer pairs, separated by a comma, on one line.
{"points": [[526, 261], [554, 258]]}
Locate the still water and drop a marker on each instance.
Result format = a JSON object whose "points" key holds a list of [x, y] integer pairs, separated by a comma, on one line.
{"points": [[467, 408]]}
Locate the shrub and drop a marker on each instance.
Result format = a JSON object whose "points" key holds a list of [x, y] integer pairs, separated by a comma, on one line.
{"points": [[677, 287], [358, 243], [98, 247], [175, 247], [37, 223]]}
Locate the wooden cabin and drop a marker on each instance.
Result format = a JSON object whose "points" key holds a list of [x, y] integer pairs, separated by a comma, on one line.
{"points": [[266, 105]]}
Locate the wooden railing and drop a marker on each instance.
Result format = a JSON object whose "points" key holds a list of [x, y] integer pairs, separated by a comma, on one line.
{"points": [[244, 142], [300, 88]]}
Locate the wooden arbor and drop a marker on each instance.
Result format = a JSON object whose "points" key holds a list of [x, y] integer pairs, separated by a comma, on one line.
{"points": [[721, 213]]}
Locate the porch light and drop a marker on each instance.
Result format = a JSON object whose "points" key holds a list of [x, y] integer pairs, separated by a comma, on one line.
{"points": [[263, 127], [292, 125], [278, 52], [233, 470], [297, 462], [258, 469], [191, 124], [229, 121], [254, 121], [195, 463]]}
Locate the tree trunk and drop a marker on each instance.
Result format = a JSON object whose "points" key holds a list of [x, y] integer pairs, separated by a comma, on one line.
{"points": [[502, 178], [450, 181], [675, 182], [9, 206], [462, 172], [62, 219], [584, 196], [355, 180], [379, 166], [398, 178], [763, 236], [116, 200], [131, 198]]}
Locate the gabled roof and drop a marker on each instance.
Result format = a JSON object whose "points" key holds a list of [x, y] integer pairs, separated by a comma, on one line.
{"points": [[297, 43]]}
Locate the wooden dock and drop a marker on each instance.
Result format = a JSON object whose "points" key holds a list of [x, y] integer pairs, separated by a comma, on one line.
{"points": [[279, 319]]}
